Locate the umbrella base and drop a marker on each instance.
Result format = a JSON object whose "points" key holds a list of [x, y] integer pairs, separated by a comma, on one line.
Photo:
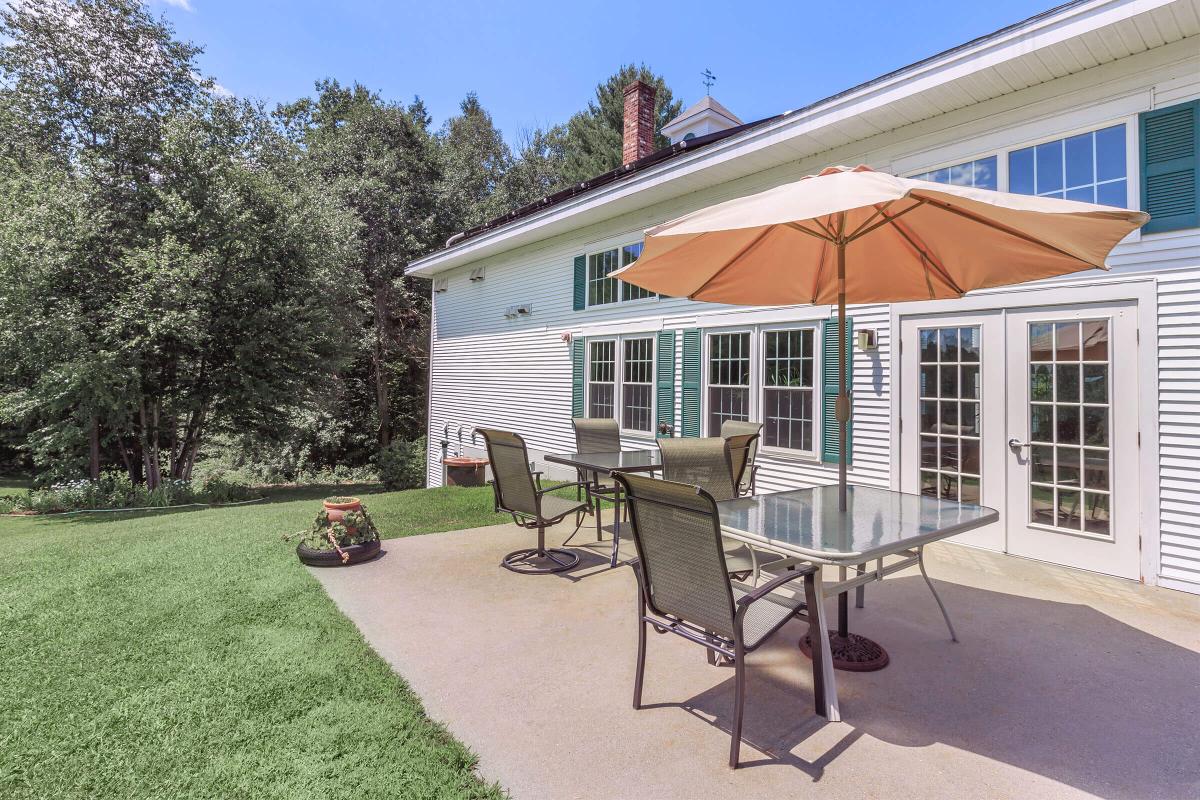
{"points": [[852, 653]]}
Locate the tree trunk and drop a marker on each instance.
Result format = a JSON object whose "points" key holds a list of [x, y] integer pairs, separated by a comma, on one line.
{"points": [[94, 449], [382, 401]]}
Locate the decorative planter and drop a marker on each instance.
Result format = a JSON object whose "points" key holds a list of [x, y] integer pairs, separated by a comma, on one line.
{"points": [[465, 470], [337, 511], [330, 558]]}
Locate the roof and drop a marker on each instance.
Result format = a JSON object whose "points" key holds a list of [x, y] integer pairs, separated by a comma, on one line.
{"points": [[706, 104], [1069, 38]]}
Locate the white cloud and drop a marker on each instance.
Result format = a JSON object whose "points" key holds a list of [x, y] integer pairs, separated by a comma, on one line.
{"points": [[221, 91], [186, 5]]}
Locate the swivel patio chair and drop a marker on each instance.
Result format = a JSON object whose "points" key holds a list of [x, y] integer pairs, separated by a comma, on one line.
{"points": [[600, 436], [708, 463], [747, 470], [683, 588], [520, 493]]}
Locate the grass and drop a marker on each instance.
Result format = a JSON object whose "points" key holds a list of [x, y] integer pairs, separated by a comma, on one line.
{"points": [[188, 654]]}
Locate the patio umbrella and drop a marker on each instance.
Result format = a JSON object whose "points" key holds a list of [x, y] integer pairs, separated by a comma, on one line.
{"points": [[862, 236]]}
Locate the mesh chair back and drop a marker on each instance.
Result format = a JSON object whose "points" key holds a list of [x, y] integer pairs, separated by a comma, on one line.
{"points": [[734, 427], [740, 447], [596, 436], [700, 462], [510, 470], [677, 532]]}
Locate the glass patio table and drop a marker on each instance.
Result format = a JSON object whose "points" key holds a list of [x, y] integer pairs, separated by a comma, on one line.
{"points": [[596, 464], [807, 525]]}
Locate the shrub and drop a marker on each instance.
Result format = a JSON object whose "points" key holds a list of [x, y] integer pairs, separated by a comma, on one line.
{"points": [[115, 490], [402, 465]]}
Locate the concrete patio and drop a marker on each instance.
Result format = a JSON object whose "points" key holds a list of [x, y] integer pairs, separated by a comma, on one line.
{"points": [[1065, 683]]}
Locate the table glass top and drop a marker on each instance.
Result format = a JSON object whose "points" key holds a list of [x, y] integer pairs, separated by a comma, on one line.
{"points": [[623, 461], [876, 521]]}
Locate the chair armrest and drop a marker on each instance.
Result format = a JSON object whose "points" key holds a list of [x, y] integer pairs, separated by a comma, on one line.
{"points": [[775, 583], [542, 490]]}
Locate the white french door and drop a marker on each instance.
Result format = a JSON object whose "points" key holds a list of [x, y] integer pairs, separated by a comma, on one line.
{"points": [[952, 369], [1032, 412]]}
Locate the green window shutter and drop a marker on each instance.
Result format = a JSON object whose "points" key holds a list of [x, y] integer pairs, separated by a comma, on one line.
{"points": [[829, 381], [665, 378], [577, 377], [1170, 152], [580, 300], [689, 412]]}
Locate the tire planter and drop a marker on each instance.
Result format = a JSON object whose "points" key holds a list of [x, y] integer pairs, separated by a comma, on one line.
{"points": [[465, 471], [330, 558]]}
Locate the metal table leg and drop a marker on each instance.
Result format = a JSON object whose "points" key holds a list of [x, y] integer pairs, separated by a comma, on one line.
{"points": [[824, 680]]}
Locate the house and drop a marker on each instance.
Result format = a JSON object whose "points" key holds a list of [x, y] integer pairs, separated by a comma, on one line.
{"points": [[1072, 405]]}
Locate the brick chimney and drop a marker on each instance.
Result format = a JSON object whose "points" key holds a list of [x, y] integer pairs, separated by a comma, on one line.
{"points": [[638, 140]]}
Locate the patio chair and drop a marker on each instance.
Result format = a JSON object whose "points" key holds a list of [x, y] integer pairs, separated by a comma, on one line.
{"points": [[747, 471], [682, 586], [708, 464], [600, 436], [520, 493]]}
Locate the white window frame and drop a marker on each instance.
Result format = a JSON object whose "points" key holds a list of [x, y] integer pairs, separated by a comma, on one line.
{"points": [[757, 373], [619, 380], [1133, 176], [620, 289]]}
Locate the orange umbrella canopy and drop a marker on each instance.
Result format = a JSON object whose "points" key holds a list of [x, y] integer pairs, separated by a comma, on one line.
{"points": [[901, 239]]}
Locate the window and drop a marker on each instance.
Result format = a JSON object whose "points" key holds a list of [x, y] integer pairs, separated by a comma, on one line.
{"points": [[602, 288], [602, 370], [1089, 167], [789, 366], [630, 398], [980, 174], [728, 379], [629, 254], [1070, 426], [637, 384], [949, 395]]}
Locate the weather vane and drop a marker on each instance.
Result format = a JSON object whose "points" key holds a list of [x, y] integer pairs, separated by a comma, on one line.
{"points": [[709, 80]]}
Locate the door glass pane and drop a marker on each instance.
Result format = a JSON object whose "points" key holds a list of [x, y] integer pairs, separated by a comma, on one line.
{"points": [[1068, 408], [949, 427]]}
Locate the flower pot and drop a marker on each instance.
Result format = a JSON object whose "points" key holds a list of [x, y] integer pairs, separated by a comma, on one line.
{"points": [[337, 511], [330, 558], [465, 471]]}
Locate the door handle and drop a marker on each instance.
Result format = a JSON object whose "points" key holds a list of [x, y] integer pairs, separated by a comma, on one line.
{"points": [[1016, 443]]}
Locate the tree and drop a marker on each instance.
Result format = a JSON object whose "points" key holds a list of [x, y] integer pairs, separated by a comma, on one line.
{"points": [[379, 161], [539, 168], [594, 135], [475, 160], [164, 272]]}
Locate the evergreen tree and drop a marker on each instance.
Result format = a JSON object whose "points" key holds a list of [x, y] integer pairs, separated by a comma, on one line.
{"points": [[594, 135]]}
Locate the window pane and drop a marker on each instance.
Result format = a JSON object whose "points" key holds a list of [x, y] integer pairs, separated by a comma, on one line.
{"points": [[788, 389], [601, 377], [637, 378], [1080, 168], [601, 288], [1112, 194], [1049, 157], [629, 254], [1020, 171], [1110, 153], [726, 403], [985, 173]]}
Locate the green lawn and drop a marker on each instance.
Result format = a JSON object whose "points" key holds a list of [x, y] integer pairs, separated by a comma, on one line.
{"points": [[188, 654]]}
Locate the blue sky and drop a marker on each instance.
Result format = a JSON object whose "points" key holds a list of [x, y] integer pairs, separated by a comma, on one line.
{"points": [[535, 63]]}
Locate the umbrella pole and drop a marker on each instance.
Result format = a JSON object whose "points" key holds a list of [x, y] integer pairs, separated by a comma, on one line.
{"points": [[843, 417], [843, 399]]}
